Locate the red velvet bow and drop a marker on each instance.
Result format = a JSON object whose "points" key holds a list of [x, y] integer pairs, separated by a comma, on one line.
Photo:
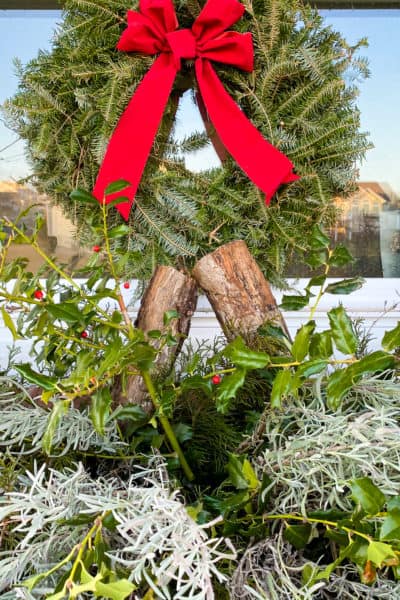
{"points": [[154, 30]]}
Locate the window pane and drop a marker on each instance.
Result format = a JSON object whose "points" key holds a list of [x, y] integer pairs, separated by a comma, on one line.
{"points": [[22, 33]]}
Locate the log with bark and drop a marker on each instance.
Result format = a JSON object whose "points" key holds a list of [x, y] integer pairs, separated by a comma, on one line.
{"points": [[168, 290], [238, 291]]}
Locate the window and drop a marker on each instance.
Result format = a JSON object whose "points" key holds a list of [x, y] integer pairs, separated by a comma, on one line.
{"points": [[370, 221], [22, 33]]}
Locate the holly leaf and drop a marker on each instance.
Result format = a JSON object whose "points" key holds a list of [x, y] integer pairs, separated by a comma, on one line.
{"points": [[60, 408], [342, 330], [340, 256], [311, 367], [321, 345], [118, 231], [302, 341], [100, 409], [391, 339], [280, 388], [390, 529], [80, 195], [117, 590], [242, 356], [67, 312], [379, 552], [345, 286], [365, 493], [44, 381], [9, 323], [116, 186], [298, 535], [227, 390], [294, 302]]}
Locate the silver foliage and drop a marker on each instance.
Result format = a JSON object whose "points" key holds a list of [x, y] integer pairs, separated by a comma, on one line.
{"points": [[23, 424], [272, 570], [155, 539], [313, 453]]}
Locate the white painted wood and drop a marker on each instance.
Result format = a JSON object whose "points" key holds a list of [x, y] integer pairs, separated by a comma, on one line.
{"points": [[377, 303]]}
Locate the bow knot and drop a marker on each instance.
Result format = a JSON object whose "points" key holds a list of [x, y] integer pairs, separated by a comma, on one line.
{"points": [[154, 30], [183, 45]]}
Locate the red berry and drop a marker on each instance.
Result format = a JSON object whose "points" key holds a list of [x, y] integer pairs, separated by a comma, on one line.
{"points": [[96, 248], [84, 335], [38, 294], [216, 379], [127, 285]]}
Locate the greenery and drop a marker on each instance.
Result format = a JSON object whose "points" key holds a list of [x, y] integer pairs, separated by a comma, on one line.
{"points": [[301, 96], [256, 474]]}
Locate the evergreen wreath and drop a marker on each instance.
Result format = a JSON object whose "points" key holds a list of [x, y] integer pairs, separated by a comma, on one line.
{"points": [[301, 97]]}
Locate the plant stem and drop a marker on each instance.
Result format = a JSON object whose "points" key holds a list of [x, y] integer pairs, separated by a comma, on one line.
{"points": [[167, 425], [320, 522]]}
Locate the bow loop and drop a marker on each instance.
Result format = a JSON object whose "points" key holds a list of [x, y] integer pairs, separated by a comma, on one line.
{"points": [[215, 18], [161, 12], [231, 48], [142, 35]]}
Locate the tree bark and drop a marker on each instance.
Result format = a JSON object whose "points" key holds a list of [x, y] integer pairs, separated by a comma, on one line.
{"points": [[238, 291], [168, 289]]}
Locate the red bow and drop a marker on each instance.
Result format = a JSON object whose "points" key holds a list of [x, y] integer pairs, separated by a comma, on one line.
{"points": [[154, 30]]}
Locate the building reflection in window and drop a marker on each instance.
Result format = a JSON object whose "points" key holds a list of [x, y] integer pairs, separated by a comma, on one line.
{"points": [[57, 236]]}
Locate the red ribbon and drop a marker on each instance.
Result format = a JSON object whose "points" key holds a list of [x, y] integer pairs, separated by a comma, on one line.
{"points": [[154, 30]]}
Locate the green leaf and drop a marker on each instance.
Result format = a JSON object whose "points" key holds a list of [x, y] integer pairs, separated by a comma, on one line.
{"points": [[298, 535], [342, 330], [228, 388], [235, 472], [116, 186], [242, 356], [316, 281], [280, 388], [391, 339], [169, 316], [44, 381], [365, 493], [321, 345], [302, 341], [393, 503], [319, 239], [250, 475], [379, 552], [118, 231], [100, 409], [340, 257], [67, 312], [311, 367], [197, 382], [294, 302], [117, 590], [345, 286], [80, 195], [372, 363], [32, 582], [9, 323], [390, 529], [143, 355], [60, 408], [131, 412], [339, 383]]}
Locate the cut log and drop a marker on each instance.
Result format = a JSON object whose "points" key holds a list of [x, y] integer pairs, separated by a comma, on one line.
{"points": [[238, 291], [168, 289]]}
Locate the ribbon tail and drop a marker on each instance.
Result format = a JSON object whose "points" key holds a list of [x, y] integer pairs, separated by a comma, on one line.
{"points": [[264, 164], [130, 145]]}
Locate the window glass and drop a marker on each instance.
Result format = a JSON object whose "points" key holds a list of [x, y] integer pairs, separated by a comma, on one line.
{"points": [[370, 220], [22, 33]]}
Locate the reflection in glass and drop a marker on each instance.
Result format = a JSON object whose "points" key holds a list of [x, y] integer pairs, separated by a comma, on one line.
{"points": [[57, 236]]}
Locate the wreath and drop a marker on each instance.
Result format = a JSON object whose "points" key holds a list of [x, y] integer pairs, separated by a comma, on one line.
{"points": [[300, 96]]}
